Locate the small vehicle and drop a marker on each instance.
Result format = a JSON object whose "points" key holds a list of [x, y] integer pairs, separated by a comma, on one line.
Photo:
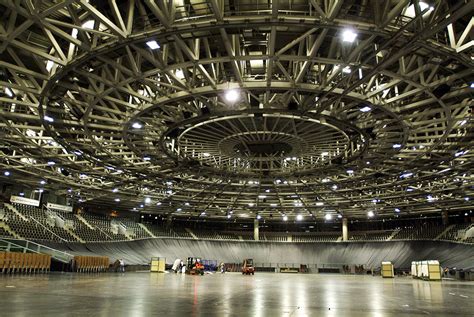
{"points": [[247, 267], [195, 266]]}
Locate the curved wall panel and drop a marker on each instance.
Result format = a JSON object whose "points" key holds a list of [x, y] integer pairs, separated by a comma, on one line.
{"points": [[371, 254]]}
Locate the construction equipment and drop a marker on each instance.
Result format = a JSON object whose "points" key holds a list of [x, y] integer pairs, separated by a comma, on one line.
{"points": [[247, 267], [195, 266]]}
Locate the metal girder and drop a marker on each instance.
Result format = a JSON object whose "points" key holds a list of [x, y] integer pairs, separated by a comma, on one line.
{"points": [[101, 103]]}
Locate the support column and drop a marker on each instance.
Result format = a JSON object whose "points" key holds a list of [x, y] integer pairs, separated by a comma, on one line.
{"points": [[169, 220], [345, 232], [445, 217], [255, 230]]}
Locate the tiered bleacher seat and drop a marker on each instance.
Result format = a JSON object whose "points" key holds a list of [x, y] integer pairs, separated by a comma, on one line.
{"points": [[41, 225], [27, 229], [316, 237], [88, 234], [246, 235], [138, 232], [206, 234], [4, 233], [275, 237], [181, 233], [34, 213], [102, 223], [370, 236], [159, 231], [228, 236], [452, 233], [419, 233]]}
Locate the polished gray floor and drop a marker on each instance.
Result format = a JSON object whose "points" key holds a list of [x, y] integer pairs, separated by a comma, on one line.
{"points": [[231, 294]]}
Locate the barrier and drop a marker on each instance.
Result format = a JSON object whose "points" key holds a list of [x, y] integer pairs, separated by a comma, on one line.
{"points": [[387, 269], [90, 264], [157, 265], [427, 270], [15, 262], [431, 270]]}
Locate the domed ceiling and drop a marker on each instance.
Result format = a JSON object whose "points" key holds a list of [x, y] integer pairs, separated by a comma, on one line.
{"points": [[241, 108]]}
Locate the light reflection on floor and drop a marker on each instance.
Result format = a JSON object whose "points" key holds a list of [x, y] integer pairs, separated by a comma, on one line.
{"points": [[265, 294]]}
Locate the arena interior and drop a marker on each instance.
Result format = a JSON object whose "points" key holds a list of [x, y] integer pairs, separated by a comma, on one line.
{"points": [[236, 158]]}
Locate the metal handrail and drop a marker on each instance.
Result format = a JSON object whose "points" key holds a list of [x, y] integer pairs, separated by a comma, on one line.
{"points": [[26, 245], [42, 225]]}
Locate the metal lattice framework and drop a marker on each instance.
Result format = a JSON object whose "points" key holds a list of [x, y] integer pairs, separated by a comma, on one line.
{"points": [[338, 107]]}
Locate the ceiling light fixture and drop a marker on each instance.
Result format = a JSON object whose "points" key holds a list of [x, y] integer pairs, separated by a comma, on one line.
{"points": [[349, 36], [9, 92], [137, 125], [370, 214], [153, 44], [88, 24], [232, 95], [328, 217], [299, 217]]}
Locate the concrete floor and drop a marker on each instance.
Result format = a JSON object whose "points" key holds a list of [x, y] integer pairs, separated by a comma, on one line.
{"points": [[230, 294]]}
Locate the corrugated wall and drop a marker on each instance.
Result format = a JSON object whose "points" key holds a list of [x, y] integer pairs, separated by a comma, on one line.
{"points": [[371, 254]]}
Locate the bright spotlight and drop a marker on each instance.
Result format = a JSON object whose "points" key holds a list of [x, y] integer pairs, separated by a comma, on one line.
{"points": [[147, 200], [349, 36], [285, 218], [153, 45], [6, 173], [328, 217], [232, 95], [137, 125], [299, 217], [370, 214]]}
